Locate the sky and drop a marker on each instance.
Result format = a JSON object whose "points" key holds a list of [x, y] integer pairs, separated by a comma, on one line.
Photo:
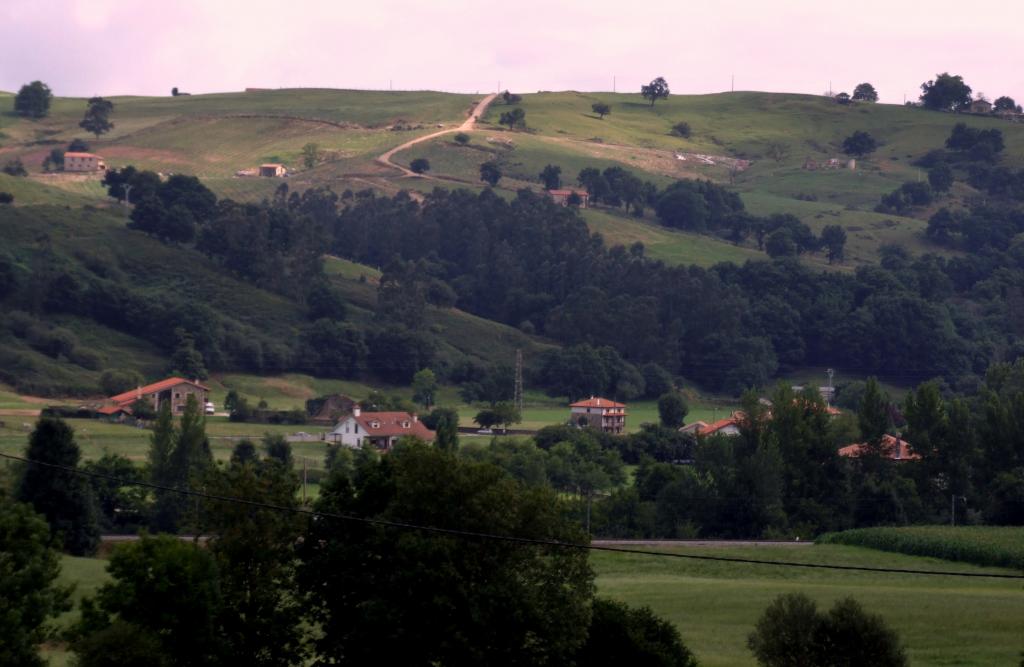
{"points": [[145, 47]]}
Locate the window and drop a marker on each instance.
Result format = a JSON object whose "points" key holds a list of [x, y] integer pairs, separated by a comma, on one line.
{"points": [[405, 424]]}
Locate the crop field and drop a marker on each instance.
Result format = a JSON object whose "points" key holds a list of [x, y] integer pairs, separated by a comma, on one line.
{"points": [[1001, 546], [941, 620]]}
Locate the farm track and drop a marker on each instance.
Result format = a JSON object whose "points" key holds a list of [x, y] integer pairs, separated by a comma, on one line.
{"points": [[466, 126]]}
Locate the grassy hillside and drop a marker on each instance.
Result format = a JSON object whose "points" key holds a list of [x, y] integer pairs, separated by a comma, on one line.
{"points": [[94, 243]]}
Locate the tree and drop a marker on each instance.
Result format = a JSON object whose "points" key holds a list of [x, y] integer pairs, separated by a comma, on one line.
{"points": [[842, 98], [116, 381], [682, 129], [64, 498], [445, 424], [511, 98], [865, 92], [462, 139], [515, 118], [54, 160], [78, 146], [120, 644], [833, 238], [29, 591], [779, 243], [420, 165], [601, 109], [946, 93], [487, 418], [623, 635], [187, 361], [174, 91], [940, 177], [506, 414], [859, 143], [167, 588], [655, 90], [386, 597], [310, 155], [97, 116], [253, 548], [1006, 103], [424, 386], [792, 633], [33, 100], [490, 173], [551, 177], [6, 198], [672, 409], [873, 414]]}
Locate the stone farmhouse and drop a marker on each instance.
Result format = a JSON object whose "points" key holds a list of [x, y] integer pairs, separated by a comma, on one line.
{"points": [[172, 390], [83, 162], [599, 413], [380, 429]]}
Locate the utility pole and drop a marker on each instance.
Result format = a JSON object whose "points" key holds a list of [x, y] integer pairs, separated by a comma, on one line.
{"points": [[732, 83], [519, 382], [303, 480], [127, 193], [830, 373], [613, 84]]}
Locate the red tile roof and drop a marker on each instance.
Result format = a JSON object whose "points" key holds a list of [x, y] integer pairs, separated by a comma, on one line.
{"points": [[133, 394], [566, 193], [893, 448], [81, 155], [593, 402], [393, 425]]}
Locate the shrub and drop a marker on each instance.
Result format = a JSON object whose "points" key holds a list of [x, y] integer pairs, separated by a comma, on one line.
{"points": [[792, 632], [682, 129], [462, 138], [6, 198], [420, 165], [15, 167]]}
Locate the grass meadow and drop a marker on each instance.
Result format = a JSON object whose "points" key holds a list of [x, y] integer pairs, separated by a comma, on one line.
{"points": [[941, 620]]}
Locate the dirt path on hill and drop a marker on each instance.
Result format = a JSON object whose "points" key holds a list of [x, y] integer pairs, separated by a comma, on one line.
{"points": [[466, 126]]}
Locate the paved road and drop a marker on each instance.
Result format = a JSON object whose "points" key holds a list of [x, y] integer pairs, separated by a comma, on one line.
{"points": [[603, 543], [466, 126], [701, 543]]}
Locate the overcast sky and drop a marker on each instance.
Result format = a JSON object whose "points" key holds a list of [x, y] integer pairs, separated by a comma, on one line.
{"points": [[113, 47]]}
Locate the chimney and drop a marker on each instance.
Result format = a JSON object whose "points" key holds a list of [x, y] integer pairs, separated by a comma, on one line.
{"points": [[138, 392], [415, 418], [356, 410]]}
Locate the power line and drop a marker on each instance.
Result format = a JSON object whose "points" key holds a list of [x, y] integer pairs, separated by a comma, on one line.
{"points": [[512, 539]]}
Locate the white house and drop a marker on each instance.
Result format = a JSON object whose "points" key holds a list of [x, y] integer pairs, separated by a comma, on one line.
{"points": [[380, 429]]}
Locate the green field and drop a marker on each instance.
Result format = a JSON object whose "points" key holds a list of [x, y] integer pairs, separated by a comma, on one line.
{"points": [[941, 620], [1001, 546]]}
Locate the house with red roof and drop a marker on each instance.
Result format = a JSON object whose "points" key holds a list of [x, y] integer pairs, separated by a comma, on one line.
{"points": [[599, 413], [893, 448], [380, 429], [562, 197], [174, 390], [729, 426]]}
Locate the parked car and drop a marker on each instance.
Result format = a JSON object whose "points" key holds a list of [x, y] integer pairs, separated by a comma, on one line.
{"points": [[209, 408]]}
